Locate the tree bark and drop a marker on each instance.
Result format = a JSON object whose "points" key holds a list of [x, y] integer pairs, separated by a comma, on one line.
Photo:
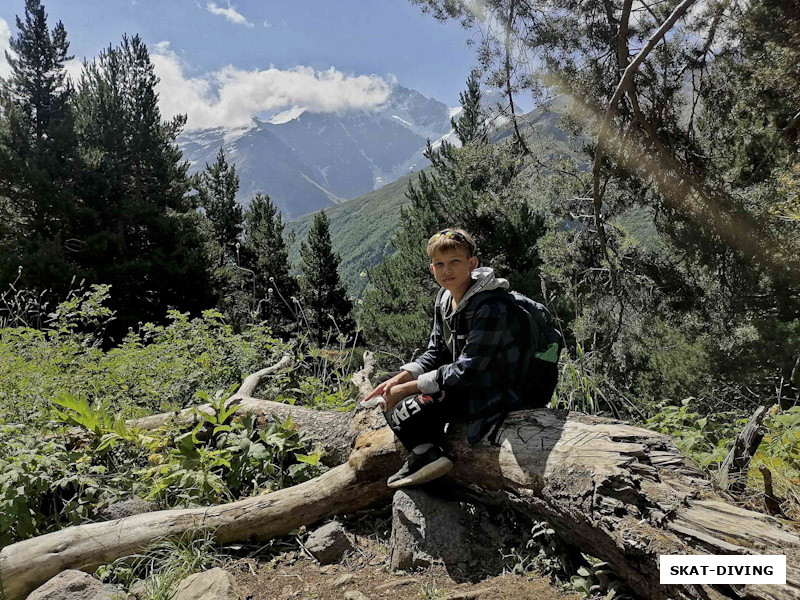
{"points": [[618, 492]]}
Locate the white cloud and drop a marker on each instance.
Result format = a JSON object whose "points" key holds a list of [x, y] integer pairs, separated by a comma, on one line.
{"points": [[267, 24], [74, 68], [5, 39], [230, 13], [230, 97]]}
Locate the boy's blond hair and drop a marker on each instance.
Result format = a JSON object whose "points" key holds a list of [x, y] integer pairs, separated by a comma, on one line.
{"points": [[451, 239]]}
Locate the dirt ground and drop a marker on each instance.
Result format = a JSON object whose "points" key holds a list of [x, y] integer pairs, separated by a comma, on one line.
{"points": [[306, 580], [294, 575]]}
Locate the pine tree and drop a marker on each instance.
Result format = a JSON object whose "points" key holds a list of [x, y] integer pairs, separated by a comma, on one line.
{"points": [[266, 254], [142, 237], [470, 126], [39, 162], [327, 306], [479, 187], [217, 194]]}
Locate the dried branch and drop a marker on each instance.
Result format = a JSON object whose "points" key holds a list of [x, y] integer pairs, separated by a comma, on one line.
{"points": [[251, 381]]}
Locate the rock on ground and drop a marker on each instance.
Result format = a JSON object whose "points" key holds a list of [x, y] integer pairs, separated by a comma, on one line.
{"points": [[343, 580], [426, 529], [127, 508], [328, 543], [138, 591], [215, 584], [71, 585]]}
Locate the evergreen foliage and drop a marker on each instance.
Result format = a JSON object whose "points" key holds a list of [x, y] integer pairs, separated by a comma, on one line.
{"points": [[39, 161], [327, 307], [266, 253], [233, 284], [470, 128], [91, 183], [137, 237], [217, 190]]}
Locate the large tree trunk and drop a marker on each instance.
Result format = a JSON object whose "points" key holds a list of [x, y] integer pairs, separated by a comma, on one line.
{"points": [[618, 492]]}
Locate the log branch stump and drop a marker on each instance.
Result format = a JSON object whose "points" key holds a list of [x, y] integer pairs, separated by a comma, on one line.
{"points": [[733, 471]]}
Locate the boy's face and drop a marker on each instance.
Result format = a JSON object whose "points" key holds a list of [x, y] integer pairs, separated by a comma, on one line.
{"points": [[452, 269]]}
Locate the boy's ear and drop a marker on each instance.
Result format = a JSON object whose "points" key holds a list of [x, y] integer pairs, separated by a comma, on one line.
{"points": [[431, 266], [473, 263]]}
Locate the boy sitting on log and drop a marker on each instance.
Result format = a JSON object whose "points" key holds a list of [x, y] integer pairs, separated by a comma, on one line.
{"points": [[490, 351]]}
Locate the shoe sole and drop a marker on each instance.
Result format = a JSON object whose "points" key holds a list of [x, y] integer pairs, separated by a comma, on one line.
{"points": [[427, 473]]}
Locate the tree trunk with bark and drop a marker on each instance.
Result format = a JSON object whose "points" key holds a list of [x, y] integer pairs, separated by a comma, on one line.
{"points": [[618, 492]]}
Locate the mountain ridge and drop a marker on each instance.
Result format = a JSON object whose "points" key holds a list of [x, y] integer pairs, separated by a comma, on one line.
{"points": [[361, 227], [306, 160]]}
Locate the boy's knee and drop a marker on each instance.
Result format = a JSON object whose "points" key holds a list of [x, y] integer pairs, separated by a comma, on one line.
{"points": [[403, 410]]}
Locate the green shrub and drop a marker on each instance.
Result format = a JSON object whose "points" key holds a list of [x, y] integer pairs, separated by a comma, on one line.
{"points": [[160, 367], [223, 458], [44, 485], [705, 439]]}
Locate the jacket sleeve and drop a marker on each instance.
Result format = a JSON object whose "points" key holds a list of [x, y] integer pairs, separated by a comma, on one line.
{"points": [[484, 340], [435, 355]]}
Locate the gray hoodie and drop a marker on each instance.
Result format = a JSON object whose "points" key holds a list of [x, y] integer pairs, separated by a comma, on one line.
{"points": [[483, 279]]}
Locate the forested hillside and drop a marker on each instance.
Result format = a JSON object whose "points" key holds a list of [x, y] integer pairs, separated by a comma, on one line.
{"points": [[362, 228], [165, 346]]}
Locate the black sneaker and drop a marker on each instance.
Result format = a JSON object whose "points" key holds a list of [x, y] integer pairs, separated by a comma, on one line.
{"points": [[421, 468]]}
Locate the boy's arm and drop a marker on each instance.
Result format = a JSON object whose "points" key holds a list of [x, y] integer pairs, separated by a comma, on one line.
{"points": [[485, 338], [436, 354]]}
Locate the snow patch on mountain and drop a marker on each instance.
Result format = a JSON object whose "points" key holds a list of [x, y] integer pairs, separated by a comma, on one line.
{"points": [[450, 137], [306, 160], [403, 121], [287, 115]]}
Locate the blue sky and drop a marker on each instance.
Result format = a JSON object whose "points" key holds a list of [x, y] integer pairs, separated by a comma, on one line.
{"points": [[224, 60]]}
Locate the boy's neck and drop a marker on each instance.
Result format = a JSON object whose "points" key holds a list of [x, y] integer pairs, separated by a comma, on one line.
{"points": [[459, 294]]}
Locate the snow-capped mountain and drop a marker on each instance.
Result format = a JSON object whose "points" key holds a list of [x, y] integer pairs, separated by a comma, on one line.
{"points": [[306, 160]]}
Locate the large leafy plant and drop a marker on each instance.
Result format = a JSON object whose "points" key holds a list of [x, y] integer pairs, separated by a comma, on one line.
{"points": [[224, 457]]}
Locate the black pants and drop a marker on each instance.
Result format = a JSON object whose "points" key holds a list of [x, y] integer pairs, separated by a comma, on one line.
{"points": [[421, 419]]}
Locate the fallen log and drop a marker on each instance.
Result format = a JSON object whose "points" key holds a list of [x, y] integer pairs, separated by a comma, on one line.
{"points": [[618, 492]]}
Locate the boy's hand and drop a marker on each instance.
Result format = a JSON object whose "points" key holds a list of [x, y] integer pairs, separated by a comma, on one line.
{"points": [[384, 388], [398, 392]]}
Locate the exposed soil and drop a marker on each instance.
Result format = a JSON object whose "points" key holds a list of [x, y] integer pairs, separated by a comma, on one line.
{"points": [[306, 580], [293, 575]]}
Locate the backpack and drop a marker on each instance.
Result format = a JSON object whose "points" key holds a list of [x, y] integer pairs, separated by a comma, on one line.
{"points": [[546, 340], [538, 361]]}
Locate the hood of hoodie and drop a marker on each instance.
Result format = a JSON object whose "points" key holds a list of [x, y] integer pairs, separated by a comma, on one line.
{"points": [[483, 279]]}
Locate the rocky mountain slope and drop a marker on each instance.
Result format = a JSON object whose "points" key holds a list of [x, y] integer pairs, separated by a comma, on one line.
{"points": [[306, 161]]}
